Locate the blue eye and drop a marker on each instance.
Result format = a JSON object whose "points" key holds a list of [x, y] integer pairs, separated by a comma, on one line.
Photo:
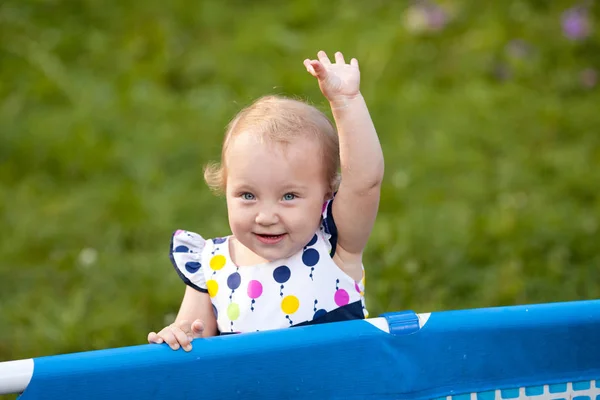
{"points": [[247, 196], [289, 196]]}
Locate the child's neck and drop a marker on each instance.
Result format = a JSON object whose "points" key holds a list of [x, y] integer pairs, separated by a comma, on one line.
{"points": [[243, 256]]}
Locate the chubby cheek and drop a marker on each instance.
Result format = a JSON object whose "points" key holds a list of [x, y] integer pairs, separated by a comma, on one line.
{"points": [[306, 223], [239, 220]]}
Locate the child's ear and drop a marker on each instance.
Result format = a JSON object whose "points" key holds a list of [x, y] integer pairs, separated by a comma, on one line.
{"points": [[333, 185]]}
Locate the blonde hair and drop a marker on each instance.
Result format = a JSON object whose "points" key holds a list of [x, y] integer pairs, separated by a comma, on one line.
{"points": [[281, 120]]}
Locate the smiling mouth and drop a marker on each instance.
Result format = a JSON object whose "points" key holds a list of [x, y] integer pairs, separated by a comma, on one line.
{"points": [[270, 239]]}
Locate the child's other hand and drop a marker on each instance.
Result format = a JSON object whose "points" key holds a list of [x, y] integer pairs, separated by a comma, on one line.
{"points": [[178, 334], [338, 81]]}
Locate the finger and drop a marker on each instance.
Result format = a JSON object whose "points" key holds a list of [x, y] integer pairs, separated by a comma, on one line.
{"points": [[323, 57], [354, 62], [185, 327], [315, 68], [197, 329], [319, 69], [154, 338], [339, 58], [182, 338], [169, 337], [309, 67]]}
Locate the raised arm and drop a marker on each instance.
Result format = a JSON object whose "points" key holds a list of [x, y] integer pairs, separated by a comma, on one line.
{"points": [[357, 200]]}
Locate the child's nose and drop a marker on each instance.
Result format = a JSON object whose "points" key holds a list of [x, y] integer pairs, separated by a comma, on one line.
{"points": [[266, 217]]}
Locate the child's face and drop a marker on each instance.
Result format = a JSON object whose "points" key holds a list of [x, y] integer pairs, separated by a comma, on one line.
{"points": [[275, 194]]}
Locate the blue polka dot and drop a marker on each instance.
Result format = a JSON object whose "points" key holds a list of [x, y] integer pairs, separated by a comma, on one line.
{"points": [[192, 266], [234, 280], [319, 313], [310, 257], [219, 240], [215, 311], [181, 249], [312, 241], [282, 274]]}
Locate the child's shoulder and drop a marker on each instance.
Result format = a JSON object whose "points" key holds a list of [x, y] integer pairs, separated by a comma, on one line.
{"points": [[188, 252]]}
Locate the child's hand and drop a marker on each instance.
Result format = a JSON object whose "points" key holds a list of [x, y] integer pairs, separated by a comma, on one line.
{"points": [[339, 81], [178, 334]]}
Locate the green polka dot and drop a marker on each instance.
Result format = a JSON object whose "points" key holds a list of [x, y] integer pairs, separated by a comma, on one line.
{"points": [[233, 311]]}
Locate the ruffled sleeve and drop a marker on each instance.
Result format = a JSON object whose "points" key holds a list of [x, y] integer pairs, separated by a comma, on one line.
{"points": [[328, 226], [186, 257]]}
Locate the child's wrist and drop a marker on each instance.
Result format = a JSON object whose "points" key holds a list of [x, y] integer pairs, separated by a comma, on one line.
{"points": [[341, 102]]}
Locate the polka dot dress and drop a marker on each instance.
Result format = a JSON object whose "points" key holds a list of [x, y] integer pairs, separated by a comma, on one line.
{"points": [[274, 295]]}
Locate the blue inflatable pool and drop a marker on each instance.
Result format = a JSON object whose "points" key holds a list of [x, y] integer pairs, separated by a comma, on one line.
{"points": [[545, 351]]}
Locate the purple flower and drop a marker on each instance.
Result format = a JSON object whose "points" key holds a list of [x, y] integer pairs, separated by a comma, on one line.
{"points": [[576, 23], [425, 16], [437, 18]]}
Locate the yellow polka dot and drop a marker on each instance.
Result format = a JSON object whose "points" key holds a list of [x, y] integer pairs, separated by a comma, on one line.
{"points": [[233, 311], [213, 287], [290, 304], [217, 262]]}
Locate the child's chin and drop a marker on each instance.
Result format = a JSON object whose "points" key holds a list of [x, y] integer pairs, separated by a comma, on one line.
{"points": [[274, 254]]}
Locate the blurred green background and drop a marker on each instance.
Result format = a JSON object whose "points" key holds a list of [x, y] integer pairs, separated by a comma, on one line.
{"points": [[488, 113]]}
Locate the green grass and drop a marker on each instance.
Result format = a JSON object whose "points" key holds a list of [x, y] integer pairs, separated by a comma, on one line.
{"points": [[109, 111]]}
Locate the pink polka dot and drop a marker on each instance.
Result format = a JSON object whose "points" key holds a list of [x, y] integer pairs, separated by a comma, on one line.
{"points": [[254, 289], [341, 297], [178, 231], [357, 287]]}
